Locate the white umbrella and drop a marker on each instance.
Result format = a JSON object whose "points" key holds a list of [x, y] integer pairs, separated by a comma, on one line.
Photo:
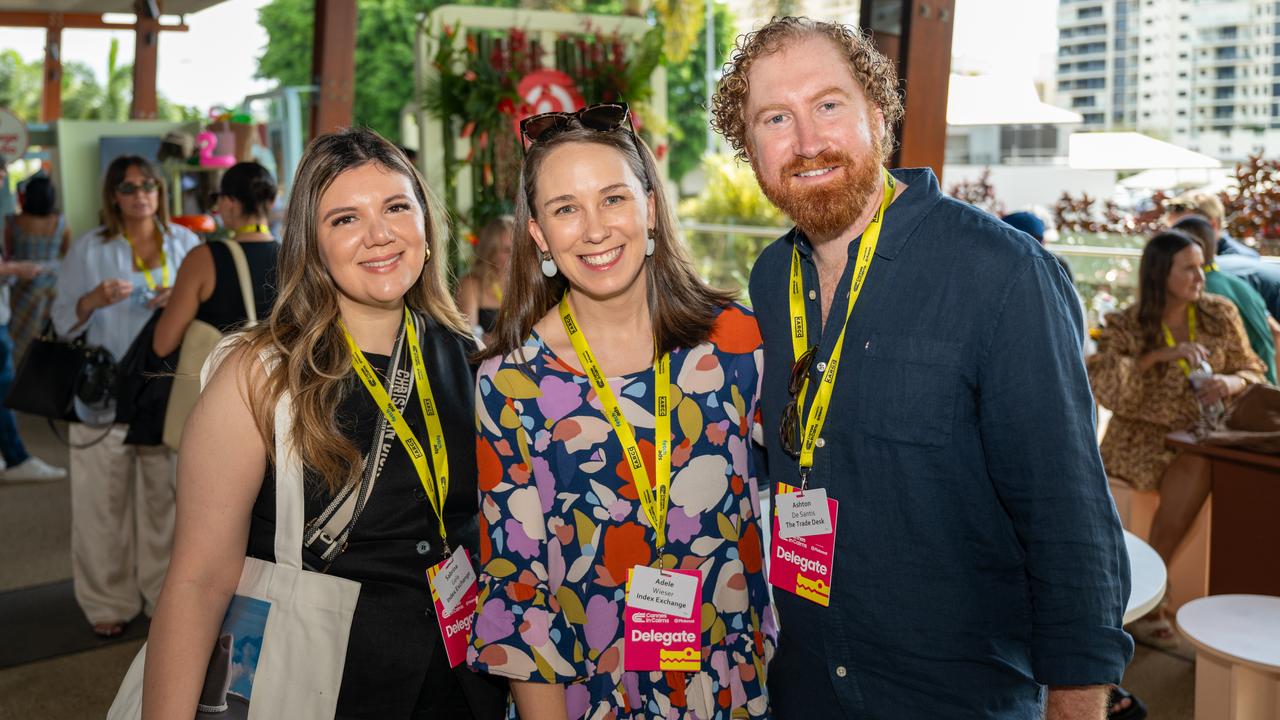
{"points": [[1131, 151]]}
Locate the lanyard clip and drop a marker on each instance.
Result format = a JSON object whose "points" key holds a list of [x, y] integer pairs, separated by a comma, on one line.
{"points": [[662, 559], [804, 480]]}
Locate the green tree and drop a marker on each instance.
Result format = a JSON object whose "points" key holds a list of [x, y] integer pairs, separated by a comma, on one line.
{"points": [[687, 95], [385, 31]]}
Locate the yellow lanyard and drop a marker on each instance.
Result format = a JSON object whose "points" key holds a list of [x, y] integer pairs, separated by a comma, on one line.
{"points": [[653, 495], [438, 490], [1191, 335], [1211, 267], [800, 331], [253, 229], [146, 272], [497, 291]]}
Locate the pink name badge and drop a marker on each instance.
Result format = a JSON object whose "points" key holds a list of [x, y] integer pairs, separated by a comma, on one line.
{"points": [[453, 589], [664, 641], [803, 565]]}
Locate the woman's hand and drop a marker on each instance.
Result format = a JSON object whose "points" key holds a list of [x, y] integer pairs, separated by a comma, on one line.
{"points": [[110, 292], [1218, 388], [1193, 353], [160, 299]]}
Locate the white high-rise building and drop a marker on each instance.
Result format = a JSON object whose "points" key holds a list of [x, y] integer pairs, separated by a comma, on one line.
{"points": [[1204, 74]]}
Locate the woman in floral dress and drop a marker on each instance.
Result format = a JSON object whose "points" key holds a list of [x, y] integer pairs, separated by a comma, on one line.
{"points": [[562, 522]]}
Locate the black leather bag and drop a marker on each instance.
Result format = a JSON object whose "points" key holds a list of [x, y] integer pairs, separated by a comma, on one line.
{"points": [[53, 373]]}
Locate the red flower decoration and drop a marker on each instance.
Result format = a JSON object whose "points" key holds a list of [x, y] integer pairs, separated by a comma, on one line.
{"points": [[473, 239], [469, 75]]}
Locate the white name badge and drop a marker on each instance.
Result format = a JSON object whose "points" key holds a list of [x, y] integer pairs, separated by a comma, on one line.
{"points": [[802, 515], [454, 579], [656, 591]]}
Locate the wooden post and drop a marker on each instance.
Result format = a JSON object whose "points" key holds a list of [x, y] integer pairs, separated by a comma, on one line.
{"points": [[916, 35], [51, 99], [333, 64], [146, 42]]}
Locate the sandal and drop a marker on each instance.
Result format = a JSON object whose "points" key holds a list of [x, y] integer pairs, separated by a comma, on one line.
{"points": [[1135, 710], [1156, 631], [108, 629]]}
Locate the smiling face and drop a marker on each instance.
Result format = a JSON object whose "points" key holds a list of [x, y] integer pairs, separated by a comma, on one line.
{"points": [[591, 212], [1186, 276], [141, 204], [812, 136], [371, 234]]}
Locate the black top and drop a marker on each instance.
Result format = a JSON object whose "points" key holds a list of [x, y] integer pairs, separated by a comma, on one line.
{"points": [[225, 307], [392, 667], [488, 319]]}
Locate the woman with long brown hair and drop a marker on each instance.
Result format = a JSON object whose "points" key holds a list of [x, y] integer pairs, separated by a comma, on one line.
{"points": [[361, 277], [480, 291], [1165, 363], [615, 409], [111, 281]]}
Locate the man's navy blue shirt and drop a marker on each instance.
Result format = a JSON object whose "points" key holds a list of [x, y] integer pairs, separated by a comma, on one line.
{"points": [[979, 556]]}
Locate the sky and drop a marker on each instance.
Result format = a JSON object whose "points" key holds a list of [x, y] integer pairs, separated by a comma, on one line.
{"points": [[215, 61]]}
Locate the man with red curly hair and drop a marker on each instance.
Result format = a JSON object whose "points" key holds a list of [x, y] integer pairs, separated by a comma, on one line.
{"points": [[973, 565]]}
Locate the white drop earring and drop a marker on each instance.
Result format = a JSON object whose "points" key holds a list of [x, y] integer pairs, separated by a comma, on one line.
{"points": [[548, 265], [651, 244]]}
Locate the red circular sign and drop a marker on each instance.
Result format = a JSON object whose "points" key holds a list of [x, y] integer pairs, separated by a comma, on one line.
{"points": [[13, 135]]}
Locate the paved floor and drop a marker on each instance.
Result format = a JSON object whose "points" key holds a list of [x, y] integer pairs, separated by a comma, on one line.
{"points": [[35, 537]]}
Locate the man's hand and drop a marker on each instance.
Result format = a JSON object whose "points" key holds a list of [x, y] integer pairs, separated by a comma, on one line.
{"points": [[1088, 702]]}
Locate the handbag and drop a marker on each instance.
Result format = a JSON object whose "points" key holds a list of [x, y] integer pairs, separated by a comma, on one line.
{"points": [[197, 342], [1252, 423], [64, 380], [285, 626]]}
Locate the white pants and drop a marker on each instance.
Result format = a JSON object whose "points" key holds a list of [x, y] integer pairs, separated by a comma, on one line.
{"points": [[122, 502]]}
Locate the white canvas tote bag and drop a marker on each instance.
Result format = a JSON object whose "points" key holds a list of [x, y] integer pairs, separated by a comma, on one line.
{"points": [[283, 643]]}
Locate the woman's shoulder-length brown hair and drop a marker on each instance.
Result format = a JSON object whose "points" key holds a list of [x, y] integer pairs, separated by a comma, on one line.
{"points": [[311, 359], [683, 307], [112, 218]]}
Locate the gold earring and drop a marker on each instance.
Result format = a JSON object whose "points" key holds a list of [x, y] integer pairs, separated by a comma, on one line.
{"points": [[428, 256]]}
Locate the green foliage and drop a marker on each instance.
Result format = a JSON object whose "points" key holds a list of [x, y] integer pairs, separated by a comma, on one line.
{"points": [[731, 196], [22, 83], [385, 32], [687, 95]]}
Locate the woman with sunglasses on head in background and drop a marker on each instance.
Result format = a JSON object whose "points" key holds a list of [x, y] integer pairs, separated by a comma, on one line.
{"points": [[649, 474], [367, 354], [111, 281], [208, 285]]}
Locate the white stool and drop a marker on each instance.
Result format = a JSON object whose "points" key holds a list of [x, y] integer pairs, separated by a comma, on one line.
{"points": [[1237, 641]]}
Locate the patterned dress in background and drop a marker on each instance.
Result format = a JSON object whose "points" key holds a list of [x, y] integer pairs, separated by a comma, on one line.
{"points": [[31, 299], [561, 525]]}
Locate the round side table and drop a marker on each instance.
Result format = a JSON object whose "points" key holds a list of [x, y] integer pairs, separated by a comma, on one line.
{"points": [[1237, 641]]}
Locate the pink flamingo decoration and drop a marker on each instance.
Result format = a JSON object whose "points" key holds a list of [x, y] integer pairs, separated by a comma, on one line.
{"points": [[207, 141]]}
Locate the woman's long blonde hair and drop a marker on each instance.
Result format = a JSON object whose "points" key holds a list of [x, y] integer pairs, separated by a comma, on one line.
{"points": [[313, 363], [484, 270]]}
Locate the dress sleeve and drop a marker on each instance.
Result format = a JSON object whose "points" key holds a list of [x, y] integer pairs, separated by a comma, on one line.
{"points": [[766, 627], [1241, 360], [529, 624], [1121, 387]]}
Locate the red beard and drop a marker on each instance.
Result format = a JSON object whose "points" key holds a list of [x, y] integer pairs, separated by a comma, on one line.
{"points": [[828, 209]]}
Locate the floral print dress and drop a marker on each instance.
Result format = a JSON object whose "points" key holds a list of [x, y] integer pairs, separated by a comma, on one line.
{"points": [[561, 525]]}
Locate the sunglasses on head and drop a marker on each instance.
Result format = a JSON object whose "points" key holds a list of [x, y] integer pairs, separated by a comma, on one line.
{"points": [[604, 117], [129, 188]]}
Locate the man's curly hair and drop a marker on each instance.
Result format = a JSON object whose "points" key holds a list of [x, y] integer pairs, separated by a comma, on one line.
{"points": [[873, 71]]}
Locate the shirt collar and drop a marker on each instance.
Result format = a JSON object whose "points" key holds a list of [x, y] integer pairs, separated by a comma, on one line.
{"points": [[900, 221]]}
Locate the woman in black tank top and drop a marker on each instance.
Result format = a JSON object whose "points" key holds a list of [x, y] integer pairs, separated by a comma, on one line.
{"points": [[208, 287]]}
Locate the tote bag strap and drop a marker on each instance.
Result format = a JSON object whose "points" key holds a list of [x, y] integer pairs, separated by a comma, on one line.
{"points": [[246, 283], [289, 488]]}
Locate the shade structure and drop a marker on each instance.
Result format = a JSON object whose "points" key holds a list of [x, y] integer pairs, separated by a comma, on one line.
{"points": [[168, 7], [1131, 151], [1001, 100], [1211, 179]]}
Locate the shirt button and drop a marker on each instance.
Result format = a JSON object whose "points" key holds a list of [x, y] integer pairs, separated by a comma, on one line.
{"points": [[821, 442], [822, 367], [840, 671], [419, 494], [813, 295], [424, 547]]}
